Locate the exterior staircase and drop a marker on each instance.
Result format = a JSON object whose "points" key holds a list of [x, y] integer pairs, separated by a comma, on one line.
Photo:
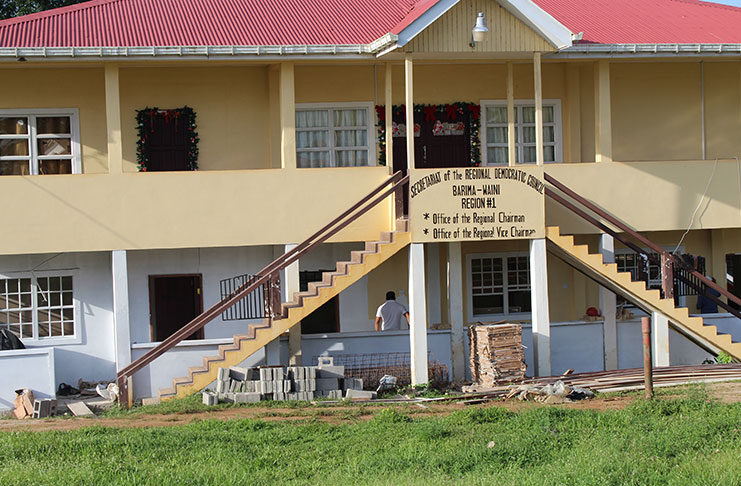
{"points": [[303, 304], [621, 283]]}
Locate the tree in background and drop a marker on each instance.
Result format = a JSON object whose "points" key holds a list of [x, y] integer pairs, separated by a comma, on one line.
{"points": [[16, 8]]}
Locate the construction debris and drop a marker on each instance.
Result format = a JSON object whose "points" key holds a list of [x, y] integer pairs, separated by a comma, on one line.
{"points": [[557, 392], [247, 385], [23, 403], [496, 354], [44, 408], [372, 367], [79, 409]]}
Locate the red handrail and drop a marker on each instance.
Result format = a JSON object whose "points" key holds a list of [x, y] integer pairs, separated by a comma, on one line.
{"points": [[396, 181]]}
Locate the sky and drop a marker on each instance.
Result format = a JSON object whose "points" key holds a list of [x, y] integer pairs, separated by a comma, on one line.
{"points": [[735, 3]]}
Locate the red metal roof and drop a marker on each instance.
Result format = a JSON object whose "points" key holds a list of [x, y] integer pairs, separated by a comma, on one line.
{"points": [[211, 22], [102, 23], [648, 21]]}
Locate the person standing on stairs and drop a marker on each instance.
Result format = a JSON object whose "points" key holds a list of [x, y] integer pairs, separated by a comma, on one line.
{"points": [[706, 305], [389, 314]]}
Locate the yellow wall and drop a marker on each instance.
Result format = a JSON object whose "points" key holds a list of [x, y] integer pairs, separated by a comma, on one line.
{"points": [[723, 109], [79, 88], [231, 104], [656, 111], [183, 209], [452, 31]]}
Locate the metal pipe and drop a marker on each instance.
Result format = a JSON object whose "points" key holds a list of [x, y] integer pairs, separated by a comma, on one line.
{"points": [[648, 378]]}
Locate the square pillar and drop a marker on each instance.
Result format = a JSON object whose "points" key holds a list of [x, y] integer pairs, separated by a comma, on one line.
{"points": [[511, 145], [608, 307], [417, 314], [287, 92], [291, 281], [660, 339], [409, 101], [603, 114], [539, 155], [539, 302], [121, 321], [113, 119], [455, 310]]}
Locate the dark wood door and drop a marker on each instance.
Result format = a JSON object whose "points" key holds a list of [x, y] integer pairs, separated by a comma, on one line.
{"points": [[327, 317], [175, 300], [167, 145]]}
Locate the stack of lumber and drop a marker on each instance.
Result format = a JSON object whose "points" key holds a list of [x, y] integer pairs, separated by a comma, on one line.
{"points": [[496, 354]]}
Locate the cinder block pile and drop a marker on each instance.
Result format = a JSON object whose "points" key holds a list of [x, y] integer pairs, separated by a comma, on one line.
{"points": [[247, 385], [496, 354]]}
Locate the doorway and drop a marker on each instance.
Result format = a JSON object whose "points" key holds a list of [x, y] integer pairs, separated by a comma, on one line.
{"points": [[327, 317], [174, 301]]}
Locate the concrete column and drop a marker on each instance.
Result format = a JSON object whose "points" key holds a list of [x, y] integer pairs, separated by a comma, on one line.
{"points": [[603, 115], [573, 114], [608, 307], [292, 285], [287, 116], [113, 119], [389, 100], [417, 314], [539, 156], [660, 339], [409, 101], [539, 303], [511, 146], [121, 322], [455, 310]]}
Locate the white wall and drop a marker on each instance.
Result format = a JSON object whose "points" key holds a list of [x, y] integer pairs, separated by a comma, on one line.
{"points": [[26, 368], [90, 354]]}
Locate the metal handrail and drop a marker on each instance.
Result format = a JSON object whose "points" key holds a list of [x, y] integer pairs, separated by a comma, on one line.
{"points": [[396, 181], [675, 261]]}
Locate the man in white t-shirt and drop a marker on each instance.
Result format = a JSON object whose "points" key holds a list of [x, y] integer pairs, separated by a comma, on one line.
{"points": [[389, 314]]}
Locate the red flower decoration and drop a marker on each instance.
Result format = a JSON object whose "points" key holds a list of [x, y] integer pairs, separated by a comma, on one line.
{"points": [[430, 112], [450, 111], [475, 110]]}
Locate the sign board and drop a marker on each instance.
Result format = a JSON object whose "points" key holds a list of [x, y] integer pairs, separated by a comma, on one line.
{"points": [[477, 203]]}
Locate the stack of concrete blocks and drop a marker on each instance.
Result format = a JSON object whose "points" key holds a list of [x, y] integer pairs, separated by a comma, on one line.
{"points": [[248, 385]]}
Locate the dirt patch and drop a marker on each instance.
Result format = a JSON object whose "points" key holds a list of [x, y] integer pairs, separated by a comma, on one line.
{"points": [[337, 414]]}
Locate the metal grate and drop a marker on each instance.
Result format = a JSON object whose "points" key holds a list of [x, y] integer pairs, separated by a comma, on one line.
{"points": [[253, 306], [371, 367]]}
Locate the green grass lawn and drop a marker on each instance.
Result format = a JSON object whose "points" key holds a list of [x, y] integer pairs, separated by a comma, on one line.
{"points": [[687, 440]]}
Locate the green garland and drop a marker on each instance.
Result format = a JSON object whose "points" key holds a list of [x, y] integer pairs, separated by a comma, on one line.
{"points": [[446, 111], [183, 117]]}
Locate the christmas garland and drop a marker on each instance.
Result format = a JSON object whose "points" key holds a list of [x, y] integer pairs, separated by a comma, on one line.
{"points": [[447, 112], [184, 118]]}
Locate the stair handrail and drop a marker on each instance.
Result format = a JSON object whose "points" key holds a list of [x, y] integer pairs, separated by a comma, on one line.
{"points": [[391, 185], [707, 283]]}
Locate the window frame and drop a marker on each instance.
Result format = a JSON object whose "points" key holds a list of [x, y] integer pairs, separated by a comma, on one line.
{"points": [[519, 144], [505, 285], [32, 136], [331, 148], [36, 340]]}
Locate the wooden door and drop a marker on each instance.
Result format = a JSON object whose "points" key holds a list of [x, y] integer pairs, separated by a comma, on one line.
{"points": [[167, 145], [174, 301]]}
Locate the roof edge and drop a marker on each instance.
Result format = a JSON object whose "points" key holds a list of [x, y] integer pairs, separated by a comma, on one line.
{"points": [[649, 50], [410, 29], [540, 21]]}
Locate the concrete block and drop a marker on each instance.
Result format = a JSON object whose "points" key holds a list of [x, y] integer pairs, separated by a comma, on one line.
{"points": [[352, 384], [295, 373], [280, 396], [223, 374], [360, 395], [221, 386], [150, 401], [266, 387], [335, 394], [247, 397], [266, 374], [287, 386], [326, 384], [278, 386], [325, 361], [278, 374], [292, 396], [44, 408], [227, 397], [232, 386], [330, 372], [210, 398], [309, 372]]}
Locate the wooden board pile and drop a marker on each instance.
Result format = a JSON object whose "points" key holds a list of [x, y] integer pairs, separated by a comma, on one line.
{"points": [[496, 354]]}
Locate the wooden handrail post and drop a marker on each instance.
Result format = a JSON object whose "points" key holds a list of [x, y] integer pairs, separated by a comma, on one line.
{"points": [[667, 276], [648, 378]]}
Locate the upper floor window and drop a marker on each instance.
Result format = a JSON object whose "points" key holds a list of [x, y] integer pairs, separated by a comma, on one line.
{"points": [[339, 135], [495, 131], [39, 142], [500, 284], [37, 307]]}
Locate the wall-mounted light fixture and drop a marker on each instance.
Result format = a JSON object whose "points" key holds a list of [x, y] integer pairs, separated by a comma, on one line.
{"points": [[478, 34]]}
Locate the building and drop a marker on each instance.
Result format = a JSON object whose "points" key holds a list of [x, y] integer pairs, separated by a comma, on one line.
{"points": [[112, 239]]}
